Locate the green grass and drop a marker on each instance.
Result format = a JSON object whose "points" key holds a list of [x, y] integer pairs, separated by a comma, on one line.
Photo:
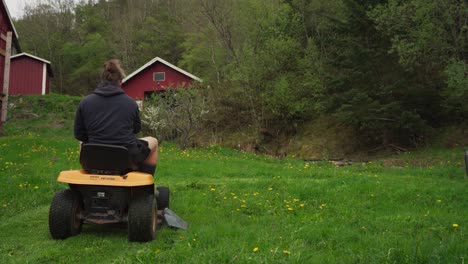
{"points": [[398, 210]]}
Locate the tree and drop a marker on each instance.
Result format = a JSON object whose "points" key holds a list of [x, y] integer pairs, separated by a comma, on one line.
{"points": [[430, 40], [87, 60], [159, 36]]}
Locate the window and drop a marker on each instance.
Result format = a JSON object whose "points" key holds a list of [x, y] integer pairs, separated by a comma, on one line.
{"points": [[159, 76]]}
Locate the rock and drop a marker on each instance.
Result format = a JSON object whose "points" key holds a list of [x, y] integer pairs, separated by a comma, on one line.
{"points": [[25, 115]]}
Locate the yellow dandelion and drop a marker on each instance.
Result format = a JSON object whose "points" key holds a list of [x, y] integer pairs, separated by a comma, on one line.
{"points": [[290, 209], [455, 225], [225, 198], [301, 205], [243, 206], [286, 252], [36, 187], [212, 189], [255, 250], [270, 189]]}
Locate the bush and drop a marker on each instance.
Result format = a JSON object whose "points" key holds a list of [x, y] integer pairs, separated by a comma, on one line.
{"points": [[176, 114]]}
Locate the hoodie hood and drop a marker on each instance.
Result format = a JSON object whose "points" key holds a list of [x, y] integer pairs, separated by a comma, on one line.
{"points": [[107, 89]]}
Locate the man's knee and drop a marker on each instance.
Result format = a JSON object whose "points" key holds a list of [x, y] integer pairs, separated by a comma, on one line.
{"points": [[152, 142]]}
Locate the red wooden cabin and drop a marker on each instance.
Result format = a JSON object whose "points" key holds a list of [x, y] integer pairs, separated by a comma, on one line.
{"points": [[29, 75], [156, 75], [9, 45], [6, 25]]}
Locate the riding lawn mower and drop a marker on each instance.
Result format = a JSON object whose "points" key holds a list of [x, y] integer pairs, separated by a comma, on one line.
{"points": [[106, 191]]}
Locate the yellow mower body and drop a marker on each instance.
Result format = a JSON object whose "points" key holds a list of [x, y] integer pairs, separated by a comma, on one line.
{"points": [[131, 179]]}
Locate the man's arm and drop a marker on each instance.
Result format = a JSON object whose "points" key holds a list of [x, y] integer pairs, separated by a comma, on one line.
{"points": [[79, 129]]}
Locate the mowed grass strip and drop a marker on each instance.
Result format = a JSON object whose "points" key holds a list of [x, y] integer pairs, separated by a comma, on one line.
{"points": [[245, 208]]}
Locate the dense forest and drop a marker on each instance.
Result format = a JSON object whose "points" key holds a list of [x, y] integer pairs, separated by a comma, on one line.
{"points": [[392, 70]]}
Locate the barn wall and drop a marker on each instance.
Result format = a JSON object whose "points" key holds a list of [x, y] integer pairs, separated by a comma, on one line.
{"points": [[143, 81], [4, 28], [25, 76]]}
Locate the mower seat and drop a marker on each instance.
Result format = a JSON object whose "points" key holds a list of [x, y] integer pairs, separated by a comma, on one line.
{"points": [[105, 159]]}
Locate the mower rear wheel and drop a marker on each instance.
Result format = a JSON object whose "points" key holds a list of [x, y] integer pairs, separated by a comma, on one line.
{"points": [[142, 216], [64, 214], [163, 197]]}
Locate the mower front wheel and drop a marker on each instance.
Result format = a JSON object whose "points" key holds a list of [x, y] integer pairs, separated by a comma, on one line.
{"points": [[142, 214], [64, 214]]}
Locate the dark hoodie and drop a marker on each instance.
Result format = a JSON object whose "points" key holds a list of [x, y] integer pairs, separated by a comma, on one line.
{"points": [[107, 116]]}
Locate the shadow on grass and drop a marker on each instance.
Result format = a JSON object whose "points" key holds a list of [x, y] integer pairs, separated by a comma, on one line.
{"points": [[105, 230], [119, 230]]}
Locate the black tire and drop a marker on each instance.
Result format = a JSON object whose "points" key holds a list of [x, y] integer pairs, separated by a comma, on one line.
{"points": [[142, 218], [64, 214], [163, 197]]}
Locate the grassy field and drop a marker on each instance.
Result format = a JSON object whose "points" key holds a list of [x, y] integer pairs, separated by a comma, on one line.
{"points": [[242, 208]]}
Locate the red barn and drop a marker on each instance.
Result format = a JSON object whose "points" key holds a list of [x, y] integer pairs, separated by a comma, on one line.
{"points": [[8, 45], [156, 75], [6, 25], [29, 75]]}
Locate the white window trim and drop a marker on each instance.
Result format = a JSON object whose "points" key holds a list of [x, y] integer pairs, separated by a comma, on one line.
{"points": [[154, 75]]}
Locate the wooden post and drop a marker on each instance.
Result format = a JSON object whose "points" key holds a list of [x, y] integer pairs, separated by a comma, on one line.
{"points": [[6, 77]]}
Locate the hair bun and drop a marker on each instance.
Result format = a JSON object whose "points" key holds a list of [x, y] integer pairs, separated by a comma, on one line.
{"points": [[112, 71]]}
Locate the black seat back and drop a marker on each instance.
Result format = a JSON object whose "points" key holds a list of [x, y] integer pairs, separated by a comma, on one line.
{"points": [[105, 159]]}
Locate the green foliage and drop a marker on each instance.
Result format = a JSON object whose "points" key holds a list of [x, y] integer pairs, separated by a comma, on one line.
{"points": [[47, 115], [159, 36], [423, 33], [430, 38], [88, 58], [44, 105], [456, 93]]}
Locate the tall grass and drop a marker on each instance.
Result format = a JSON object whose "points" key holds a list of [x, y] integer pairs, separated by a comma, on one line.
{"points": [[244, 208]]}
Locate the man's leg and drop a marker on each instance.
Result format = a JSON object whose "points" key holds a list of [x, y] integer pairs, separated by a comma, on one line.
{"points": [[149, 165]]}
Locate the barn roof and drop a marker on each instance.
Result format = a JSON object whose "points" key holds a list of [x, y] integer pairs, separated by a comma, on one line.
{"points": [[32, 56], [9, 17], [157, 59], [49, 67]]}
